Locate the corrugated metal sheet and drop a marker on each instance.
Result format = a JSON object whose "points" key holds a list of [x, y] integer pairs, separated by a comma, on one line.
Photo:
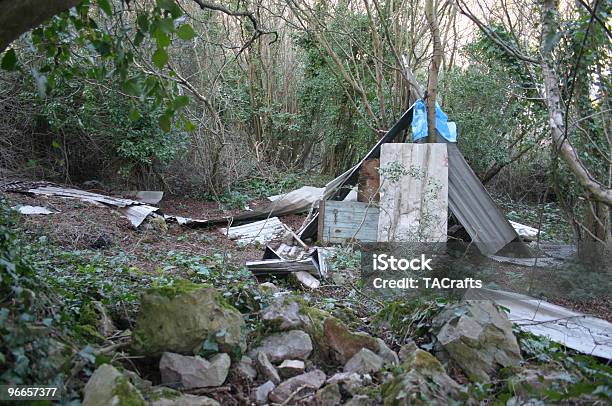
{"points": [[578, 331], [476, 211]]}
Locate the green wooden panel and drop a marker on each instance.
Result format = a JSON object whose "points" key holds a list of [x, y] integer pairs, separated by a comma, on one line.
{"points": [[346, 221]]}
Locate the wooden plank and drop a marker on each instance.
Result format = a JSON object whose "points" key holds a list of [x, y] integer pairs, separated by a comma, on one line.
{"points": [[414, 193], [369, 181], [348, 221]]}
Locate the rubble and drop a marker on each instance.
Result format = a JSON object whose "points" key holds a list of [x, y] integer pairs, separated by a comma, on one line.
{"points": [[189, 372]]}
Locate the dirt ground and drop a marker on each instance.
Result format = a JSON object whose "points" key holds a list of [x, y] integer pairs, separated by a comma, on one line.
{"points": [[78, 225]]}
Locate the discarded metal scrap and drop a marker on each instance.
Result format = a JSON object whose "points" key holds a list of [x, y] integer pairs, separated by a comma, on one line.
{"points": [[262, 231], [578, 331], [135, 211], [30, 210], [275, 261]]}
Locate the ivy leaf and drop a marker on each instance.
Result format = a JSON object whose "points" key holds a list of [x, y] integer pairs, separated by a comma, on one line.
{"points": [[134, 115], [180, 101], [170, 5], [9, 61], [132, 86], [185, 32], [164, 122], [162, 39], [106, 7], [189, 125], [160, 58]]}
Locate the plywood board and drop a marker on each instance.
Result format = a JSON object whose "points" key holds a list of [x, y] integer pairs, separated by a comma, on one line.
{"points": [[414, 193], [347, 221]]}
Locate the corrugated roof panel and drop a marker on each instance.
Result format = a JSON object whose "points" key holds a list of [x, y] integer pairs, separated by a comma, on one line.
{"points": [[472, 205]]}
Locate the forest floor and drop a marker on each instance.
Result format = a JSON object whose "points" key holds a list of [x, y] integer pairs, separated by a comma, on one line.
{"points": [[169, 250], [93, 253]]}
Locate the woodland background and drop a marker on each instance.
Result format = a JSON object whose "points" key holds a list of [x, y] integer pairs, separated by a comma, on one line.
{"points": [[230, 101]]}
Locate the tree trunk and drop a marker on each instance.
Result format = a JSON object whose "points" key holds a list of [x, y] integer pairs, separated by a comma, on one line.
{"points": [[436, 60], [556, 112], [17, 17]]}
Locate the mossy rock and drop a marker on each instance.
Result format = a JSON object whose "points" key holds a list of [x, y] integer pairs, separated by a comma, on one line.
{"points": [[179, 318], [421, 380], [344, 343], [107, 386]]}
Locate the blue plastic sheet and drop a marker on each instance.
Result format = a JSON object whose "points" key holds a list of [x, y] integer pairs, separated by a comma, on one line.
{"points": [[447, 129]]}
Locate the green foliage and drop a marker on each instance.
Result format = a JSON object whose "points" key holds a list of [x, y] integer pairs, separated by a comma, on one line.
{"points": [[410, 318], [130, 130], [493, 103], [554, 226], [83, 44], [28, 353], [595, 377], [255, 187]]}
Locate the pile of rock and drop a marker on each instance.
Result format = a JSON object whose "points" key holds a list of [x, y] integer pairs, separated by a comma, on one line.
{"points": [[173, 323], [306, 355]]}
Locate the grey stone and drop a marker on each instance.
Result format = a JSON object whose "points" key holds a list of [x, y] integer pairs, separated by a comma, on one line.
{"points": [[184, 400], [263, 391], [190, 372], [180, 320], [266, 368], [104, 323], [246, 368], [386, 353], [294, 344], [351, 382], [329, 395], [304, 384], [108, 386], [423, 382], [143, 385], [363, 362], [284, 314], [343, 343], [268, 287], [360, 400], [291, 367], [478, 337], [407, 350]]}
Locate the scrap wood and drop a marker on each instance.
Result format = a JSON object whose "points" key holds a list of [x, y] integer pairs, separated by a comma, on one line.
{"points": [[281, 266], [307, 279], [414, 207], [583, 333], [276, 261], [262, 231]]}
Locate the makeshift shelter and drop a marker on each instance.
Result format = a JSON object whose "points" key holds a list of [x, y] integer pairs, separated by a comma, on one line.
{"points": [[468, 200]]}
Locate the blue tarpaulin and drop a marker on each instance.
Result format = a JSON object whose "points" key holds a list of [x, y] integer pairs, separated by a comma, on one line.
{"points": [[447, 129]]}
